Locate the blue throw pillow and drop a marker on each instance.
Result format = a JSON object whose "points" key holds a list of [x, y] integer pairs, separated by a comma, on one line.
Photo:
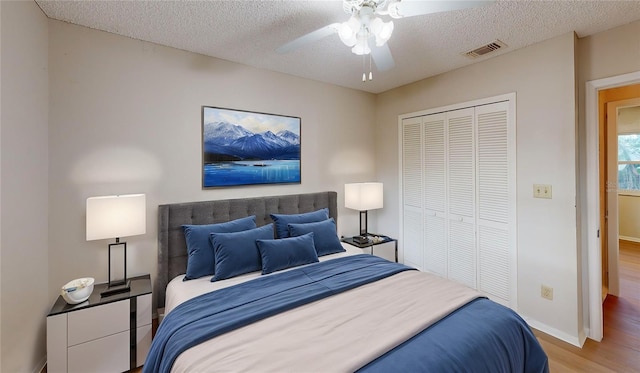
{"points": [[237, 253], [283, 220], [325, 236], [200, 260], [286, 253]]}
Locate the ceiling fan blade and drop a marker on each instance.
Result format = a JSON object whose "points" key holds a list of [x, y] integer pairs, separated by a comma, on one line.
{"points": [[410, 8], [382, 57], [309, 38]]}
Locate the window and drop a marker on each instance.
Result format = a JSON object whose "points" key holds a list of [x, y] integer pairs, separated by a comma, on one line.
{"points": [[629, 162]]}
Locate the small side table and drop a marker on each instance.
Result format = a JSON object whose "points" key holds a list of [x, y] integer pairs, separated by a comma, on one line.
{"points": [[106, 334], [371, 243]]}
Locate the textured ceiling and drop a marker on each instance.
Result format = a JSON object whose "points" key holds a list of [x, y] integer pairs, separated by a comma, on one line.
{"points": [[248, 32]]}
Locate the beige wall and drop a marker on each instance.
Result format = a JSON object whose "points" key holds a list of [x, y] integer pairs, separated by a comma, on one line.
{"points": [[24, 194], [543, 78], [125, 117], [0, 188], [629, 213], [609, 53]]}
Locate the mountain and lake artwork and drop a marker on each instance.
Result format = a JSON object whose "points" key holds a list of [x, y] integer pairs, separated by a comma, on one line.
{"points": [[247, 148]]}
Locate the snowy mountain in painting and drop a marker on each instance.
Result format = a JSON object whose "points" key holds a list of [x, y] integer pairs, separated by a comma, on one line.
{"points": [[289, 136], [225, 141], [224, 132], [275, 139]]}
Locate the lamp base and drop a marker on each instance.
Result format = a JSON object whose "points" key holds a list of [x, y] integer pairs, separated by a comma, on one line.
{"points": [[117, 289]]}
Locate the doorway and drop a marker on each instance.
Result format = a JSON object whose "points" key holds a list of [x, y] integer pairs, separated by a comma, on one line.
{"points": [[619, 166], [593, 198]]}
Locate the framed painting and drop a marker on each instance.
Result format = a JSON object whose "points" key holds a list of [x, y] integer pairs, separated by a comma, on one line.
{"points": [[248, 148]]}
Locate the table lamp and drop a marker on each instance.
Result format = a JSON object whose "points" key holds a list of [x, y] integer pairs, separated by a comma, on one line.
{"points": [[115, 217], [363, 197]]}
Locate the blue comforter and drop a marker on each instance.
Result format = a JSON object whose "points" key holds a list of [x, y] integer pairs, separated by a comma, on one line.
{"points": [[481, 329], [481, 336]]}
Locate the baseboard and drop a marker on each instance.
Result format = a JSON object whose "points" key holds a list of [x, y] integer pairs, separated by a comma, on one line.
{"points": [[631, 241], [576, 341], [42, 365], [582, 336]]}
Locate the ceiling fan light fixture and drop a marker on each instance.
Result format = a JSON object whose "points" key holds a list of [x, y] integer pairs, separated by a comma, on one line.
{"points": [[375, 26], [381, 30], [365, 22], [392, 9], [348, 31], [362, 46], [350, 5]]}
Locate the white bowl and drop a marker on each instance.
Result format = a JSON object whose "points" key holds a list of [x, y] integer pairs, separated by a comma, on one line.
{"points": [[78, 290]]}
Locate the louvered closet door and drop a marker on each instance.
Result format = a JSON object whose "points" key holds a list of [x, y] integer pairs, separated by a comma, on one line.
{"points": [[412, 186], [495, 201], [458, 189], [461, 196], [435, 238]]}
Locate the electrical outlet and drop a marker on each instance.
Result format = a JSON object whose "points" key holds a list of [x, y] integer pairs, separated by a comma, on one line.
{"points": [[546, 292], [542, 191]]}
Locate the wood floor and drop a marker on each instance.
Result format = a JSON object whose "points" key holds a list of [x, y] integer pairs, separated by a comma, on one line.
{"points": [[619, 350]]}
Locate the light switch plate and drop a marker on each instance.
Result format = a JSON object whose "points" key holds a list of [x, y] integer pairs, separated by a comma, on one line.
{"points": [[542, 191], [546, 292]]}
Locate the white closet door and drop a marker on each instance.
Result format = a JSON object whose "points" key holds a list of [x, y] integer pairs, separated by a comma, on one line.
{"points": [[412, 186], [461, 196], [435, 244], [458, 193], [496, 202]]}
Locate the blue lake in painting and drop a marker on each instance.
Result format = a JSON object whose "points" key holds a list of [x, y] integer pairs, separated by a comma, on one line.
{"points": [[251, 172]]}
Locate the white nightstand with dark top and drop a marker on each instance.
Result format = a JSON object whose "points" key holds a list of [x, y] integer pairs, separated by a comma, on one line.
{"points": [[102, 334], [372, 240]]}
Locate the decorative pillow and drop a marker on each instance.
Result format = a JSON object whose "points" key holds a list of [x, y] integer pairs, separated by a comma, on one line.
{"points": [[237, 253], [325, 236], [200, 261], [282, 220], [286, 253]]}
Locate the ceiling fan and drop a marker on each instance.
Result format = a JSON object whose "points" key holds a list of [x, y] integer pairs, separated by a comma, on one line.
{"points": [[367, 33]]}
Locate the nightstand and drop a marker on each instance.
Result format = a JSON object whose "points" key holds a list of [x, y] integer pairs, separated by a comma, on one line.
{"points": [[373, 242], [102, 334]]}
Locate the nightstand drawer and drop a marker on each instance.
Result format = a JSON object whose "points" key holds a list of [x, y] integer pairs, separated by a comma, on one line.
{"points": [[143, 343], [97, 322], [109, 354]]}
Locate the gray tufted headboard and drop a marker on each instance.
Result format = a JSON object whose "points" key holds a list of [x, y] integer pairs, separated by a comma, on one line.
{"points": [[172, 249]]}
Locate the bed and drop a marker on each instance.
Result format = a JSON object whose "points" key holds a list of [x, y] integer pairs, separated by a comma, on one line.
{"points": [[344, 311]]}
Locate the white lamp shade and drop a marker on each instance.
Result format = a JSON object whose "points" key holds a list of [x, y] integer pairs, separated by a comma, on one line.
{"points": [[362, 45], [348, 31], [116, 216], [363, 196]]}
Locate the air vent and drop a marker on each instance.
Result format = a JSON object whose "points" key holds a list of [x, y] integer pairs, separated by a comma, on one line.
{"points": [[485, 49]]}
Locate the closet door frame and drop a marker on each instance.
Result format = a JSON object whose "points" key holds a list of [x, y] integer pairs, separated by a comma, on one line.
{"points": [[510, 98]]}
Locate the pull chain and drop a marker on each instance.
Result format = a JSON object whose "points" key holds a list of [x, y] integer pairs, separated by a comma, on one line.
{"points": [[364, 73]]}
